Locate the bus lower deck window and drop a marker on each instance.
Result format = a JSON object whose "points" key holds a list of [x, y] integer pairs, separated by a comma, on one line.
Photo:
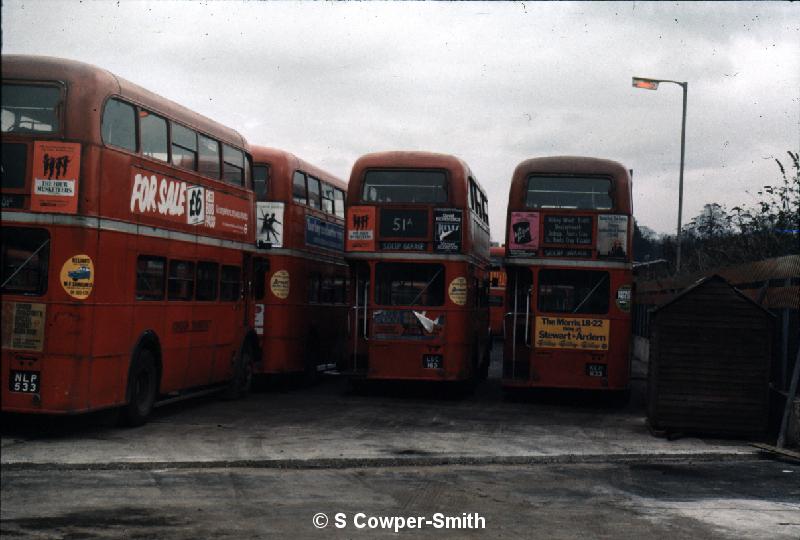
{"points": [[181, 280], [230, 283], [573, 291], [409, 284], [26, 253], [207, 275], [150, 274]]}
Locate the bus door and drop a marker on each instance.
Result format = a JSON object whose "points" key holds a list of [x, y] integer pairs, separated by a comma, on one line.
{"points": [[247, 284], [258, 292], [518, 324], [359, 319]]}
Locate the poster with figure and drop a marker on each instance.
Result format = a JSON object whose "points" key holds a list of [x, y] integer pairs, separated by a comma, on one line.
{"points": [[447, 223], [56, 166], [523, 236], [269, 224], [360, 228], [612, 236]]}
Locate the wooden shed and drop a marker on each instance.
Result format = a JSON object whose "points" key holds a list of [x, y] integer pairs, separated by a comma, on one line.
{"points": [[710, 352]]}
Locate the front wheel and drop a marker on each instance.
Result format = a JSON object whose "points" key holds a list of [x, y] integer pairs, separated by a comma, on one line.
{"points": [[142, 389]]}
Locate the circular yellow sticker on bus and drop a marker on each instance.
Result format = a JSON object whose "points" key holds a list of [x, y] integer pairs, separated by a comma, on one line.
{"points": [[458, 291], [77, 276], [279, 284]]}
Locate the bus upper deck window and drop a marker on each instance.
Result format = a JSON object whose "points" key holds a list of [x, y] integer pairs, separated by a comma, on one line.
{"points": [[338, 203], [569, 192], [260, 181], [28, 108], [209, 156], [299, 188], [232, 165], [153, 132], [184, 147], [405, 186], [327, 198], [313, 193], [119, 124]]}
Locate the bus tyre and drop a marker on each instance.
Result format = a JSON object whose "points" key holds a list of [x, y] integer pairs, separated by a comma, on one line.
{"points": [[142, 389], [242, 377]]}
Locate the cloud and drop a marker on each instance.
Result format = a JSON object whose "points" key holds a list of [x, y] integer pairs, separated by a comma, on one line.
{"points": [[494, 83]]}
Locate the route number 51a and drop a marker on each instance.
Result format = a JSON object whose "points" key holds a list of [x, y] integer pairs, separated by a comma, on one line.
{"points": [[402, 224]]}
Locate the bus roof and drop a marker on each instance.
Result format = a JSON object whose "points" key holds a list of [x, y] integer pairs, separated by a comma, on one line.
{"points": [[401, 159], [91, 85], [285, 163], [571, 165]]}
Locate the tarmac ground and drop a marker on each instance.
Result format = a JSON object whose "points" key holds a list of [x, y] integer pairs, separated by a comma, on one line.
{"points": [[528, 465]]}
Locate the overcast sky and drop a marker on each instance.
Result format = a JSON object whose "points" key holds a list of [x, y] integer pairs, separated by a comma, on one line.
{"points": [[493, 83]]}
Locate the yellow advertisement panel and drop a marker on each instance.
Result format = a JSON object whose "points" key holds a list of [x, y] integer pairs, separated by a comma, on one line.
{"points": [[23, 326], [572, 333]]}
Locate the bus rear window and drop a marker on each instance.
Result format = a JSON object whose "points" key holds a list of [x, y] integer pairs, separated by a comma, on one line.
{"points": [[408, 284], [28, 108], [573, 291], [26, 253], [405, 186], [568, 192]]}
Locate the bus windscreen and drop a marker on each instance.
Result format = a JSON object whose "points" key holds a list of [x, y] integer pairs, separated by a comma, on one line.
{"points": [[589, 193], [573, 291], [409, 284], [405, 186]]}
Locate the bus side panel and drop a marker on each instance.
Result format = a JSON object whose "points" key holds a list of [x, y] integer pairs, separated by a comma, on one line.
{"points": [[569, 368], [282, 347], [114, 296], [222, 339]]}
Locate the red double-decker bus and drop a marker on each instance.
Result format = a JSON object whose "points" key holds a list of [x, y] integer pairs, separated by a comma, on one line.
{"points": [[418, 245], [126, 222], [300, 275], [568, 258], [497, 291]]}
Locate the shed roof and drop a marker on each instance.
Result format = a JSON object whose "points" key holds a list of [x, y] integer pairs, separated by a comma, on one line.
{"points": [[704, 281]]}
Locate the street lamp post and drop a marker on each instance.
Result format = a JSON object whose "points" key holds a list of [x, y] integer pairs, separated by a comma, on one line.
{"points": [[652, 84]]}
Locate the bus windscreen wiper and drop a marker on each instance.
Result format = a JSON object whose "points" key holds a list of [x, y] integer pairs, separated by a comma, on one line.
{"points": [[600, 282], [20, 267], [425, 288]]}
